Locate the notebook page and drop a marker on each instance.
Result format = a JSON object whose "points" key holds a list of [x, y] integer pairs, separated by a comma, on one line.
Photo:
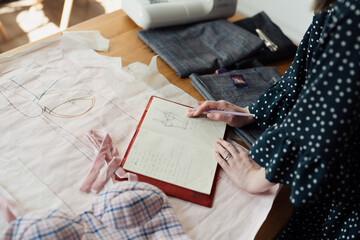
{"points": [[174, 148]]}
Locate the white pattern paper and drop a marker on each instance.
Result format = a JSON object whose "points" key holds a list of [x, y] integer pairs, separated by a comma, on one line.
{"points": [[52, 95]]}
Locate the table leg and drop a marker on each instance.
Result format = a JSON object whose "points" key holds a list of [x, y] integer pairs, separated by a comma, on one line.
{"points": [[65, 17], [3, 32]]}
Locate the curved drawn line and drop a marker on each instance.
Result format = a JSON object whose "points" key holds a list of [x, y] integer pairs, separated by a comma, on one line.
{"points": [[92, 98], [12, 105]]}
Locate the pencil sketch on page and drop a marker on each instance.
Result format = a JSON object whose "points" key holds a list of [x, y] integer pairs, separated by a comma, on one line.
{"points": [[170, 147], [171, 119]]}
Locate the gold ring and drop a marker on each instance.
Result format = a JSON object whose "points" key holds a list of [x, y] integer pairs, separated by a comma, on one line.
{"points": [[227, 157]]}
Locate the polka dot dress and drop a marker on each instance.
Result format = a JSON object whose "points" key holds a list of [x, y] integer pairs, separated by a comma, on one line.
{"points": [[311, 119]]}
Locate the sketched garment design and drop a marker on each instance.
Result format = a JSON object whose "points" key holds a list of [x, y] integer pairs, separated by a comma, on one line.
{"points": [[170, 119], [35, 89]]}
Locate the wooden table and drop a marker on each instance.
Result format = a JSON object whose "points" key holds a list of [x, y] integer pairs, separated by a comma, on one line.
{"points": [[124, 43]]}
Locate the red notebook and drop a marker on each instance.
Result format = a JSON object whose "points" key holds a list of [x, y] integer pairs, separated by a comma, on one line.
{"points": [[174, 152]]}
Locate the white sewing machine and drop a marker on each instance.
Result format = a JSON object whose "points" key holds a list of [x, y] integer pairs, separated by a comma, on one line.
{"points": [[160, 13]]}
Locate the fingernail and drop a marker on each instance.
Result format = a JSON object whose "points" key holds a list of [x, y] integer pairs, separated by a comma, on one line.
{"points": [[210, 115]]}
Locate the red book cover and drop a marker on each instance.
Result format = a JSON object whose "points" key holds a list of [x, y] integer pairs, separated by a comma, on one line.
{"points": [[168, 188]]}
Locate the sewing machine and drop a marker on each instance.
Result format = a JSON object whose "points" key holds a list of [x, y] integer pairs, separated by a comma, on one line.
{"points": [[161, 13]]}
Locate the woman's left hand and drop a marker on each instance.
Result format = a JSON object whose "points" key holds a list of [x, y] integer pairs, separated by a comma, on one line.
{"points": [[241, 168]]}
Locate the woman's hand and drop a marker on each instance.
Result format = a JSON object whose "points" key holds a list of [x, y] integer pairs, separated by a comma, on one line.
{"points": [[234, 121], [240, 168]]}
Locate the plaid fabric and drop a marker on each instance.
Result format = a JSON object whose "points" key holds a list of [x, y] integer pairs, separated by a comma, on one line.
{"points": [[203, 47], [129, 210], [218, 87]]}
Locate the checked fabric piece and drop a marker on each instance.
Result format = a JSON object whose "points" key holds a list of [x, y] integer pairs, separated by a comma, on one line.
{"points": [[128, 210]]}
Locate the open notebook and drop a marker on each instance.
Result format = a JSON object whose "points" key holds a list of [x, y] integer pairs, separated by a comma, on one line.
{"points": [[174, 152]]}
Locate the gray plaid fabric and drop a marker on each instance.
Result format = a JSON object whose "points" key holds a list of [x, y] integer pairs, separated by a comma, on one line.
{"points": [[203, 47], [217, 87]]}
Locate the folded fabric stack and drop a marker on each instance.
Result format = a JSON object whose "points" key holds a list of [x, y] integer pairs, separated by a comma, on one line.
{"points": [[220, 86], [241, 47], [201, 48]]}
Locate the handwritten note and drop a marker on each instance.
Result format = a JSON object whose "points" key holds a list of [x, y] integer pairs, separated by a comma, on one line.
{"points": [[174, 148]]}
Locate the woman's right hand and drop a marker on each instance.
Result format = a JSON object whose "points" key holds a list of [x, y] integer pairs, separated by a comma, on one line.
{"points": [[234, 121]]}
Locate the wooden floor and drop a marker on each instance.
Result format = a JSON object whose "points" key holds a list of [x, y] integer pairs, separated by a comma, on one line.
{"points": [[24, 22]]}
